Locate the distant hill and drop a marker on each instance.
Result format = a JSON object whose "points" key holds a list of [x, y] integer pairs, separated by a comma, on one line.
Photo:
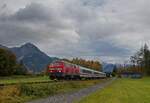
{"points": [[4, 47], [108, 67], [33, 58]]}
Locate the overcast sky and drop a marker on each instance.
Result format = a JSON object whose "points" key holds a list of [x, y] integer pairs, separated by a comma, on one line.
{"points": [[110, 30]]}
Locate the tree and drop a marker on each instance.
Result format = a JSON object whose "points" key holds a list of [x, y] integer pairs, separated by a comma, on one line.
{"points": [[114, 71], [21, 69], [146, 59], [141, 60], [95, 65], [7, 62]]}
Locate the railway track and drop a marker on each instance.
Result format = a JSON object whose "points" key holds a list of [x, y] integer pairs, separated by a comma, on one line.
{"points": [[36, 82]]}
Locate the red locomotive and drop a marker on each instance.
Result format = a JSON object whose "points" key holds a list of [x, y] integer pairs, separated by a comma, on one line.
{"points": [[65, 70]]}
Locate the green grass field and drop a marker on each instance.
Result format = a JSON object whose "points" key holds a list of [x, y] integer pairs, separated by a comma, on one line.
{"points": [[122, 91], [23, 79]]}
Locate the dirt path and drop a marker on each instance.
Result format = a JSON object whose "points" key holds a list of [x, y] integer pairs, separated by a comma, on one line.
{"points": [[74, 96]]}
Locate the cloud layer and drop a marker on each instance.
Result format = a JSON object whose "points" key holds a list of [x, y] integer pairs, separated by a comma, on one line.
{"points": [[108, 29]]}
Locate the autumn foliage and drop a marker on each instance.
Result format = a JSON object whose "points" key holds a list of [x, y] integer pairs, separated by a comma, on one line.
{"points": [[95, 65]]}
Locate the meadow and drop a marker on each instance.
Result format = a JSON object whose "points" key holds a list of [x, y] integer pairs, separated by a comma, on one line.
{"points": [[23, 79], [122, 91], [21, 93]]}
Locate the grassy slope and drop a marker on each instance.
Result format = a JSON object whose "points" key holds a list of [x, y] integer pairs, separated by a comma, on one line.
{"points": [[25, 92], [122, 91], [23, 79]]}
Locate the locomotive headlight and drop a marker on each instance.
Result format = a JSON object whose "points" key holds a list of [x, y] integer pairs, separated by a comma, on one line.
{"points": [[59, 71]]}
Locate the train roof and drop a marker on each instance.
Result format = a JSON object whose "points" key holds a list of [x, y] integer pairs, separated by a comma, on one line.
{"points": [[90, 69]]}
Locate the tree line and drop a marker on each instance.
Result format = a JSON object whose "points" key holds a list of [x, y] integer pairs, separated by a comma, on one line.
{"points": [[140, 62], [9, 64], [95, 65]]}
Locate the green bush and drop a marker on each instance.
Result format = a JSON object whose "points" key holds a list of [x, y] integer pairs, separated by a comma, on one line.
{"points": [[38, 89]]}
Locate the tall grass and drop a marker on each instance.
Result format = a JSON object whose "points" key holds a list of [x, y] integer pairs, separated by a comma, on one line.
{"points": [[10, 94], [23, 79], [24, 92]]}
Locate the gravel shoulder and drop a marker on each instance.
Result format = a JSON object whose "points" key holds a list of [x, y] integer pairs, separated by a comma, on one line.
{"points": [[73, 96]]}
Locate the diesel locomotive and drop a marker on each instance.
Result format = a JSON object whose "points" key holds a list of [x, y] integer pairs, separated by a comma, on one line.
{"points": [[64, 70]]}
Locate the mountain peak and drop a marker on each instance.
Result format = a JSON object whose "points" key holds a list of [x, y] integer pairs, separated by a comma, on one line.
{"points": [[33, 58], [29, 45]]}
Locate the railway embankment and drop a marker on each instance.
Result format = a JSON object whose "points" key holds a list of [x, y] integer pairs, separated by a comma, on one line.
{"points": [[23, 92], [73, 96]]}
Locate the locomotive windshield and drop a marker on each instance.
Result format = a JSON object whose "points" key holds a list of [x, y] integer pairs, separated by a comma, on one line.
{"points": [[56, 64]]}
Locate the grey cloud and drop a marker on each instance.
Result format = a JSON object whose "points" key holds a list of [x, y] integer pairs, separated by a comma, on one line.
{"points": [[3, 6], [105, 28], [32, 12], [34, 23], [94, 3]]}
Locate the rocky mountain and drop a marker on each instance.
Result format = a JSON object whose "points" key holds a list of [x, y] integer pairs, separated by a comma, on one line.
{"points": [[33, 58]]}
